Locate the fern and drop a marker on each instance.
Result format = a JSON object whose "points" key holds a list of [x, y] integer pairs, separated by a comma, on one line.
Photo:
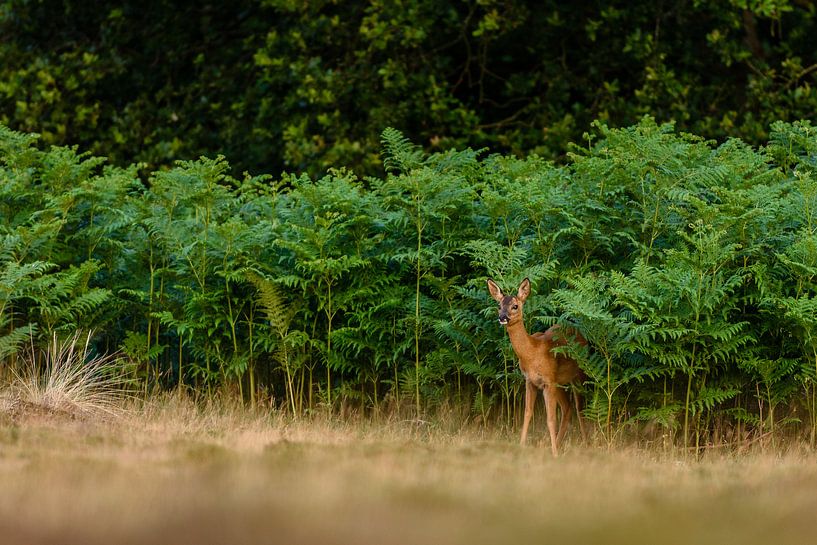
{"points": [[666, 416], [708, 397], [272, 303], [399, 154], [690, 267], [12, 342]]}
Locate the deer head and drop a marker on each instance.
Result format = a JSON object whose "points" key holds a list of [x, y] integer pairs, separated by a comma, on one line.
{"points": [[510, 306]]}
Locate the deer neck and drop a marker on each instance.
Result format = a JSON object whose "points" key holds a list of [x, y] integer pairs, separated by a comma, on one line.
{"points": [[520, 340]]}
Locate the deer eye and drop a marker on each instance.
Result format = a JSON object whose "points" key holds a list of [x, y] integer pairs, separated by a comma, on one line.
{"points": [[516, 307]]}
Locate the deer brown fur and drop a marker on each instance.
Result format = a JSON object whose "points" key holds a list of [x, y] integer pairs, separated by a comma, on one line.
{"points": [[543, 370]]}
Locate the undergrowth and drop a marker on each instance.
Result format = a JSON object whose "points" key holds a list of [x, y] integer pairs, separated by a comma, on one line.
{"points": [[690, 266]]}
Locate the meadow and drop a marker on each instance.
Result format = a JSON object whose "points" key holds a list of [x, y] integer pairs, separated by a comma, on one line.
{"points": [[171, 471]]}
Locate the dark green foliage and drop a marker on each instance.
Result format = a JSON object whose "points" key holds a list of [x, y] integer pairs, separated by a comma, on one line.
{"points": [[690, 267], [278, 85]]}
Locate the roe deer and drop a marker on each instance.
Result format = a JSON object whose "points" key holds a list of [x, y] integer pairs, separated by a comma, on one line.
{"points": [[542, 369]]}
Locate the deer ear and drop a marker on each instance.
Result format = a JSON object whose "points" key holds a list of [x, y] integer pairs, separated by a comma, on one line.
{"points": [[496, 293], [524, 290]]}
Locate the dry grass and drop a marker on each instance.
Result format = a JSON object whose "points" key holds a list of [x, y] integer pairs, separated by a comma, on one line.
{"points": [[172, 472], [65, 380]]}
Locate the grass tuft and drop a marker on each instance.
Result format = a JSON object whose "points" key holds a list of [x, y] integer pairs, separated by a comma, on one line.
{"points": [[66, 379]]}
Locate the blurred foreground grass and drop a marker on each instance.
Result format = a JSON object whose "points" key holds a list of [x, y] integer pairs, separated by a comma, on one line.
{"points": [[173, 474]]}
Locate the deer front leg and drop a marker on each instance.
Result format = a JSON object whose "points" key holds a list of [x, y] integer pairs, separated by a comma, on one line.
{"points": [[530, 398], [550, 408]]}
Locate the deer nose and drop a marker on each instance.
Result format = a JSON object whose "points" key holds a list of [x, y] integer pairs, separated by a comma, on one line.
{"points": [[503, 319]]}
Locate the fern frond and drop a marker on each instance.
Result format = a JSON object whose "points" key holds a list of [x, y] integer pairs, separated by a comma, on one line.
{"points": [[399, 154], [11, 343], [708, 397], [272, 302]]}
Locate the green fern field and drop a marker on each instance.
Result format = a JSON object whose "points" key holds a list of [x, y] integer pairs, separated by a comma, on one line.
{"points": [[690, 266]]}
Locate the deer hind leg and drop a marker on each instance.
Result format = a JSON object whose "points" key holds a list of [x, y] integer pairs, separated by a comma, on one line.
{"points": [[566, 410], [551, 400], [578, 399], [530, 398]]}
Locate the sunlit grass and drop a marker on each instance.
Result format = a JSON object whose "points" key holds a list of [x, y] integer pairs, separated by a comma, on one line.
{"points": [[173, 471]]}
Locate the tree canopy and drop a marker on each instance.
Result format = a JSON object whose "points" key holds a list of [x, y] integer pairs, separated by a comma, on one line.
{"points": [[281, 85]]}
